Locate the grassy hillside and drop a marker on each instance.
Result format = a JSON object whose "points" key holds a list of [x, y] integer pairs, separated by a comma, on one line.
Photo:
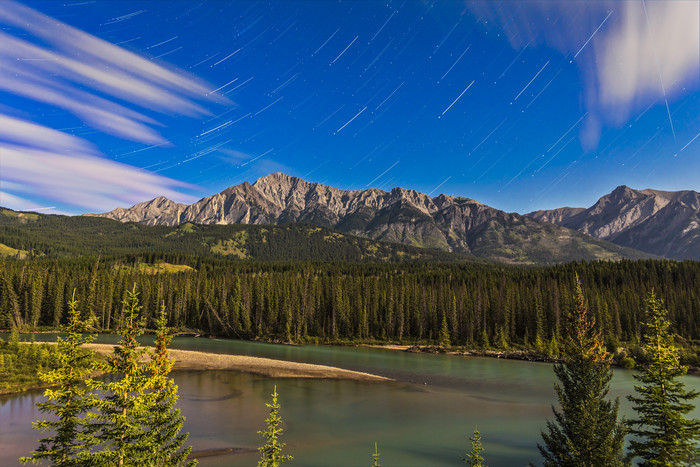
{"points": [[64, 236]]}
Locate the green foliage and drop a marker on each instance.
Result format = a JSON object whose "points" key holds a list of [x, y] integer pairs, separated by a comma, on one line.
{"points": [[69, 400], [474, 457], [484, 341], [666, 437], [585, 431], [21, 365], [338, 302], [164, 422], [272, 450], [444, 336], [135, 422], [61, 236], [375, 457]]}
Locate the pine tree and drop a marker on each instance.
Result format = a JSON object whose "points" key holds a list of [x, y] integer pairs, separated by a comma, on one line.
{"points": [[69, 400], [474, 457], [444, 336], [272, 450], [124, 410], [375, 457], [666, 437], [586, 431], [164, 422]]}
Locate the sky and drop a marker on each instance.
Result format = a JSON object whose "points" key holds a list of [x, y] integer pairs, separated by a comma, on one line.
{"points": [[521, 105]]}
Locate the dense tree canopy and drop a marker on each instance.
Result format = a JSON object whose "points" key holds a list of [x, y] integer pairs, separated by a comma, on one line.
{"points": [[481, 304]]}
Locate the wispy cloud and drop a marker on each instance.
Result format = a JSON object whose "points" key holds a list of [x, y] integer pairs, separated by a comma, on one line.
{"points": [[649, 54], [627, 57], [108, 88], [78, 178]]}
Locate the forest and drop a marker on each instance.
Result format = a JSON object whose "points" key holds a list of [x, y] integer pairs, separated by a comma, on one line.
{"points": [[477, 305]]}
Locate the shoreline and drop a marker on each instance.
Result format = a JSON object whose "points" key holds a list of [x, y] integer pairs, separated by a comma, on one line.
{"points": [[195, 360], [520, 355]]}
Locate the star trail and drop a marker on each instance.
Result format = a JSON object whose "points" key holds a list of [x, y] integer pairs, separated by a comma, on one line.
{"points": [[110, 103]]}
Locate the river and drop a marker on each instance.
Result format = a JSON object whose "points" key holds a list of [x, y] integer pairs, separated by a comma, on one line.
{"points": [[423, 418]]}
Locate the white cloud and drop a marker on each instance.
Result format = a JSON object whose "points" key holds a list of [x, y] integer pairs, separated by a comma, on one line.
{"points": [[79, 179], [100, 63], [622, 59], [39, 136], [637, 57], [106, 87]]}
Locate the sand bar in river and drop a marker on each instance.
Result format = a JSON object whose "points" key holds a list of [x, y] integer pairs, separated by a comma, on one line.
{"points": [[192, 360]]}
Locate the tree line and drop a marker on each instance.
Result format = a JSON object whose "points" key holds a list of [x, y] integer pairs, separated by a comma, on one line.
{"points": [[459, 304]]}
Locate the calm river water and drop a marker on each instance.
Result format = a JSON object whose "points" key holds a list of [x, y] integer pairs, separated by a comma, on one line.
{"points": [[424, 418]]}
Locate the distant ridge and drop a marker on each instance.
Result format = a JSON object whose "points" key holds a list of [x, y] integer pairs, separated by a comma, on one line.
{"points": [[664, 223], [404, 216]]}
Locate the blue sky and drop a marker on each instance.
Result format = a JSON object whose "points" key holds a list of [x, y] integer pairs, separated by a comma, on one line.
{"points": [[519, 105]]}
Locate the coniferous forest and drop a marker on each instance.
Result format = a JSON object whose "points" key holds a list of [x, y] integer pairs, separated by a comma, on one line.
{"points": [[474, 305]]}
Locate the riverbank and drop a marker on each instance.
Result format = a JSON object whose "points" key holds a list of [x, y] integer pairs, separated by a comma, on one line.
{"points": [[521, 355], [192, 360], [505, 354]]}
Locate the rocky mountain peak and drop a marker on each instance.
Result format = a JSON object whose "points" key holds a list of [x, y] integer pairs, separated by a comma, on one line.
{"points": [[401, 215], [658, 222]]}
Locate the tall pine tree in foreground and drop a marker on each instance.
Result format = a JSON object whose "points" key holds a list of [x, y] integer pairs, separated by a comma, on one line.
{"points": [[666, 437], [69, 400], [585, 431], [124, 410], [272, 450], [164, 422]]}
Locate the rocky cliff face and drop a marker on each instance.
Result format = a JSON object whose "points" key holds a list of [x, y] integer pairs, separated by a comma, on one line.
{"points": [[404, 216], [664, 223]]}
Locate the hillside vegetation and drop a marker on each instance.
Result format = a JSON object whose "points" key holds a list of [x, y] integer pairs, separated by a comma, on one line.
{"points": [[64, 236]]}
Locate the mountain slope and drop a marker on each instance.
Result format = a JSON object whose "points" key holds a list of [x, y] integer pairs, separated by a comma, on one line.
{"points": [[404, 216], [61, 236], [664, 223]]}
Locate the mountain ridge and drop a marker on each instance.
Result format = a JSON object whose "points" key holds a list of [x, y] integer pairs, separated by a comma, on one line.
{"points": [[456, 224], [664, 223]]}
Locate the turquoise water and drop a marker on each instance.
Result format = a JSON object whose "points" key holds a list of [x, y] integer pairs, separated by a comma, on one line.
{"points": [[424, 418]]}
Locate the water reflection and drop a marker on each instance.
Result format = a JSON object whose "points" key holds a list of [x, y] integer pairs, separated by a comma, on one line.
{"points": [[423, 418]]}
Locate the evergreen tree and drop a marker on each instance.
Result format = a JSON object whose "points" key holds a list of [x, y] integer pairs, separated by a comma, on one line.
{"points": [[444, 336], [272, 450], [474, 457], [164, 422], [666, 437], [69, 400], [124, 411], [586, 431], [375, 457]]}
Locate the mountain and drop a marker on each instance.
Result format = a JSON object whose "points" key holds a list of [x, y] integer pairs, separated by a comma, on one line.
{"points": [[449, 223], [664, 223], [25, 234]]}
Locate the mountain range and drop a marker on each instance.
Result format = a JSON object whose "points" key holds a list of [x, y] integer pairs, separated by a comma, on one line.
{"points": [[454, 224], [663, 223]]}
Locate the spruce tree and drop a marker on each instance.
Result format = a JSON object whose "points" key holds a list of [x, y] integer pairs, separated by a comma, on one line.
{"points": [[585, 431], [272, 450], [444, 335], [164, 422], [666, 437], [124, 411], [69, 400], [474, 457]]}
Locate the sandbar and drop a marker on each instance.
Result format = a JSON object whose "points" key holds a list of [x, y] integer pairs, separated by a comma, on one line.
{"points": [[193, 360]]}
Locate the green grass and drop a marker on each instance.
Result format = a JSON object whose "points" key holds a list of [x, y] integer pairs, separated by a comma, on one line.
{"points": [[9, 251], [162, 267]]}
